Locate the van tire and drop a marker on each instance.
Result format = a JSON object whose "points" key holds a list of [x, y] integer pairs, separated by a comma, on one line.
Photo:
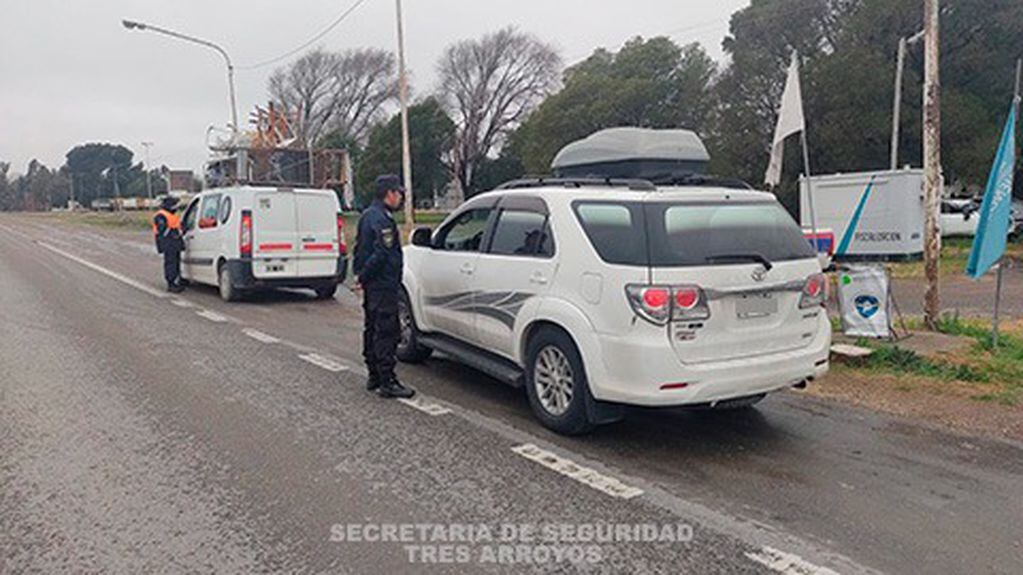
{"points": [[326, 292], [225, 284], [409, 348], [552, 353]]}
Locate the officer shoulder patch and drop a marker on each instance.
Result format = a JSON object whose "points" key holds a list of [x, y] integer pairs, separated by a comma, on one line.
{"points": [[387, 237]]}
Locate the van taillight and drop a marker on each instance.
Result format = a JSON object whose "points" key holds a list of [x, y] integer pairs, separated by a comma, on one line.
{"points": [[658, 304], [245, 235], [342, 248]]}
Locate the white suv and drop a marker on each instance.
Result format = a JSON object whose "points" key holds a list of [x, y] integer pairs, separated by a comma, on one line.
{"points": [[595, 294]]}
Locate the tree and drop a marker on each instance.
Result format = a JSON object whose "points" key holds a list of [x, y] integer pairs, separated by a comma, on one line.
{"points": [[489, 86], [6, 190], [649, 83], [431, 132], [95, 167], [342, 94]]}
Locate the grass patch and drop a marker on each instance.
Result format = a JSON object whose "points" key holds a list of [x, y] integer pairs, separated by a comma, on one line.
{"points": [[955, 253], [1001, 365]]}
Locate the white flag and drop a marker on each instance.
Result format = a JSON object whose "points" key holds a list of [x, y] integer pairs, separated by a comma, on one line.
{"points": [[790, 121]]}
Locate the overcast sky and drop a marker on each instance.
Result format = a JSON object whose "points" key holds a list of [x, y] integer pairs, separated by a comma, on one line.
{"points": [[69, 72]]}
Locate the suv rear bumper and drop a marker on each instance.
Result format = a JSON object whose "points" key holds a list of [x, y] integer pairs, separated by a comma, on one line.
{"points": [[632, 371], [243, 278]]}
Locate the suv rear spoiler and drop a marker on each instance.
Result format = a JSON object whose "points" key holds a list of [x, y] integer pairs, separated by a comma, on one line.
{"points": [[636, 185]]}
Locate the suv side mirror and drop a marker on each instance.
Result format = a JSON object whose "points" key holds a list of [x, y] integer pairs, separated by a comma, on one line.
{"points": [[422, 237]]}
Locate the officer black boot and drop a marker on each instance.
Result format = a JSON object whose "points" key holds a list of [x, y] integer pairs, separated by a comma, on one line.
{"points": [[372, 383], [394, 389]]}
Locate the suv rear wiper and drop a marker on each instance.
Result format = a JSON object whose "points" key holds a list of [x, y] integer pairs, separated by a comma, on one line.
{"points": [[750, 257]]}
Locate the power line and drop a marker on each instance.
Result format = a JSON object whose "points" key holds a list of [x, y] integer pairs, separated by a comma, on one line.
{"points": [[341, 18]]}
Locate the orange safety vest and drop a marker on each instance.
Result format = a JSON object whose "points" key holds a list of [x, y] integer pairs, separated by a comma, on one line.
{"points": [[173, 221]]}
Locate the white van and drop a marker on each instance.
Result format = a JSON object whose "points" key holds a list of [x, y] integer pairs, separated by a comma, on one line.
{"points": [[245, 238]]}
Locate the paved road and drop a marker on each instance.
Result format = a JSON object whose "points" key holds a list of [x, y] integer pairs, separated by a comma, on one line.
{"points": [[140, 432]]}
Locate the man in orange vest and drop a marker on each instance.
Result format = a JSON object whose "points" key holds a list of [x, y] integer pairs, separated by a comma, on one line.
{"points": [[167, 232]]}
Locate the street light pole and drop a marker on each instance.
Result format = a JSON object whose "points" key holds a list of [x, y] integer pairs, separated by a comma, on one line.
{"points": [[406, 148], [149, 175], [900, 64], [227, 59]]}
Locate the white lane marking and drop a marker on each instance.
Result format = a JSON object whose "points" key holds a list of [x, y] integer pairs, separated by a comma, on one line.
{"points": [[584, 475], [787, 563], [212, 316], [426, 406], [112, 274], [181, 303], [324, 362], [260, 336]]}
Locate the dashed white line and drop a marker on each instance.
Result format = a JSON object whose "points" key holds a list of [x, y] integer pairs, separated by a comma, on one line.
{"points": [[212, 316], [109, 273], [324, 362], [260, 336], [426, 406], [585, 475], [182, 303], [787, 563]]}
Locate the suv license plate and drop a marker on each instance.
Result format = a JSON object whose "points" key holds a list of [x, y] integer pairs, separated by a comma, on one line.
{"points": [[756, 305]]}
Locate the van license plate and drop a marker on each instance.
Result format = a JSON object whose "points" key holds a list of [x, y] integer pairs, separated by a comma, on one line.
{"points": [[756, 305]]}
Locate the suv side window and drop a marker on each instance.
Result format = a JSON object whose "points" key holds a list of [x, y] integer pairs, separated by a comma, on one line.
{"points": [[465, 233], [522, 233], [188, 221], [210, 212]]}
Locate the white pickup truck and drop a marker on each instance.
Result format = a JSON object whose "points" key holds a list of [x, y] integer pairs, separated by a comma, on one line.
{"points": [[247, 238]]}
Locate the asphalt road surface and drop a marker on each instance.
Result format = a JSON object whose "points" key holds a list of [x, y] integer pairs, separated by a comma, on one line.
{"points": [[145, 432]]}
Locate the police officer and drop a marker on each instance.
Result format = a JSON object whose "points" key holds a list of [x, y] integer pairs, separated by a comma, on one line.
{"points": [[378, 264], [167, 232]]}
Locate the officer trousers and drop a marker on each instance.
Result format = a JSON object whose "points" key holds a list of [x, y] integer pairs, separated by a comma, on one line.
{"points": [[381, 332], [172, 267]]}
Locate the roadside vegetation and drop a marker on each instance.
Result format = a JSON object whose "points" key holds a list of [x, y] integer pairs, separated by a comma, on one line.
{"points": [[955, 252], [997, 371]]}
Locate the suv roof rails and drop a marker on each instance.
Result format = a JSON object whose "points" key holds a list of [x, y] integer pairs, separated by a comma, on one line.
{"points": [[632, 184], [693, 179]]}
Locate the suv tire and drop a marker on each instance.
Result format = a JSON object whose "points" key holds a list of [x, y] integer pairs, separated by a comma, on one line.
{"points": [[556, 383], [409, 349], [228, 292]]}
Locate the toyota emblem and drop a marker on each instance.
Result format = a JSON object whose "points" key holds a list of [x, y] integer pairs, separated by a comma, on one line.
{"points": [[759, 274]]}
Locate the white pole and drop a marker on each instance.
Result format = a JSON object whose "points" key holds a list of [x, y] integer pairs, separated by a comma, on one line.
{"points": [[900, 62], [932, 164], [149, 176], [406, 148], [809, 188]]}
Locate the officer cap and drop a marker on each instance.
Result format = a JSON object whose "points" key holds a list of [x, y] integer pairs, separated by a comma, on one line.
{"points": [[387, 183], [169, 203]]}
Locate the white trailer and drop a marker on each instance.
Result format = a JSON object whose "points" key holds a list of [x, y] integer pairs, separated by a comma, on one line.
{"points": [[874, 215]]}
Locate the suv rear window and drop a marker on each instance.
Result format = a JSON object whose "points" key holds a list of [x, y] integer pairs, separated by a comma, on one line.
{"points": [[690, 234]]}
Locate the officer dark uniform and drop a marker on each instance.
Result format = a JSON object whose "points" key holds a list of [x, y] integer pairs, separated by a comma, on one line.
{"points": [[378, 263], [167, 233]]}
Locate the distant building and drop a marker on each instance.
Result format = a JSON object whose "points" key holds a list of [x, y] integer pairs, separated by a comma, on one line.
{"points": [[180, 181]]}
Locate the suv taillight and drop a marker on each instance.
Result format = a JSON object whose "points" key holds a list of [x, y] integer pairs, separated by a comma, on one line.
{"points": [[341, 247], [245, 234], [815, 291], [657, 304]]}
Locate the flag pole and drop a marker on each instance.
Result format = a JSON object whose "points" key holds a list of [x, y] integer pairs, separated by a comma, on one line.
{"points": [[1001, 262], [809, 190]]}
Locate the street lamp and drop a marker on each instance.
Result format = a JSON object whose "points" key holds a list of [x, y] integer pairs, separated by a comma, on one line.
{"points": [[149, 175], [900, 63], [227, 59]]}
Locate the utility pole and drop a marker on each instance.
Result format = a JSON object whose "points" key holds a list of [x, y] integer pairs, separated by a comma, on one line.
{"points": [[406, 149], [932, 164], [900, 65], [149, 176]]}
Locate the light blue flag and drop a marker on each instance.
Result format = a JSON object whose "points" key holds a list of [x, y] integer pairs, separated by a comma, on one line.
{"points": [[995, 212]]}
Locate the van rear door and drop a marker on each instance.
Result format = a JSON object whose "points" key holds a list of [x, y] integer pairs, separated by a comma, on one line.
{"points": [[275, 236], [318, 248]]}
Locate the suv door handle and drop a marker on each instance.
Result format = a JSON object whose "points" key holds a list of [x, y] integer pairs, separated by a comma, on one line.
{"points": [[538, 278], [468, 269]]}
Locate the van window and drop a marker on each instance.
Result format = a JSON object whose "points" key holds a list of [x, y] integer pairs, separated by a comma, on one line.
{"points": [[696, 234], [616, 231], [225, 209], [465, 233], [209, 212], [522, 233], [188, 222]]}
